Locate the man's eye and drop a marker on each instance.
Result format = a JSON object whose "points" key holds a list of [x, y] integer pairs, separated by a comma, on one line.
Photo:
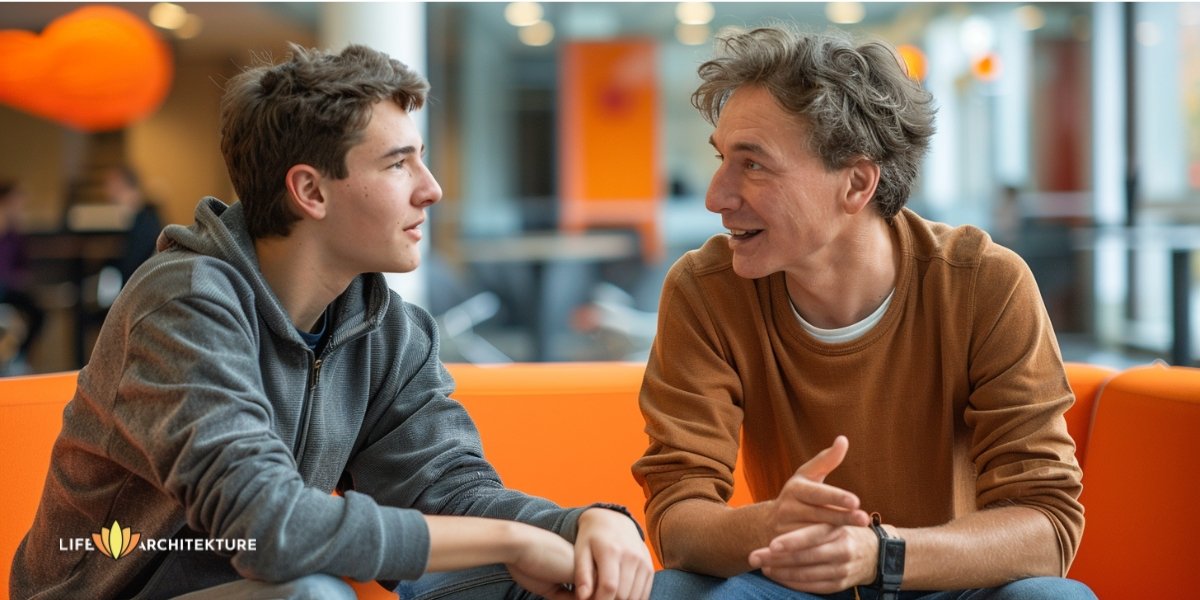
{"points": [[753, 166]]}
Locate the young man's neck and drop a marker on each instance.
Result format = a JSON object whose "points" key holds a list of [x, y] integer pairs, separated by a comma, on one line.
{"points": [[846, 290], [294, 270]]}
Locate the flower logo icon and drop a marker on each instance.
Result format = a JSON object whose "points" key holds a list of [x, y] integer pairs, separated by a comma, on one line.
{"points": [[114, 541]]}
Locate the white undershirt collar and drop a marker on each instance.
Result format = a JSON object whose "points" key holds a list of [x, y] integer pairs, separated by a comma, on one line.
{"points": [[848, 333]]}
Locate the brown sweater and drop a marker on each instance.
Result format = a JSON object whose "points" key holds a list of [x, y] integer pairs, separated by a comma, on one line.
{"points": [[953, 402]]}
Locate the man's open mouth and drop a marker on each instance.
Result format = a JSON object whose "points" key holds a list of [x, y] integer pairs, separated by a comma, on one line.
{"points": [[743, 234]]}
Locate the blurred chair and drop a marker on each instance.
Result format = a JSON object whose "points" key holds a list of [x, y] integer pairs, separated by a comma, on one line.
{"points": [[458, 326], [1140, 486]]}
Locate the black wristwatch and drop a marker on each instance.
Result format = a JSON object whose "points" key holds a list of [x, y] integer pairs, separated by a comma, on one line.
{"points": [[891, 562]]}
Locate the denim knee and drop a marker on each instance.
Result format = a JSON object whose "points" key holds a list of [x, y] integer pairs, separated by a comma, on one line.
{"points": [[1043, 588], [320, 587], [673, 585]]}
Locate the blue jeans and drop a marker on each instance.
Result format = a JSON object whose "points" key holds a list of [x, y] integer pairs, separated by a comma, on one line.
{"points": [[311, 587], [482, 583], [679, 585]]}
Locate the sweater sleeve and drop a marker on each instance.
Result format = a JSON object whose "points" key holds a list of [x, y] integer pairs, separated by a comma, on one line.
{"points": [[192, 417], [1019, 392], [691, 401], [422, 450]]}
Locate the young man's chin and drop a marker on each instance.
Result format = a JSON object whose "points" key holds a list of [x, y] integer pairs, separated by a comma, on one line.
{"points": [[407, 265]]}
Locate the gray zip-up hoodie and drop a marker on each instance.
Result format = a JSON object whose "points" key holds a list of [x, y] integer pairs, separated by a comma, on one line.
{"points": [[203, 414]]}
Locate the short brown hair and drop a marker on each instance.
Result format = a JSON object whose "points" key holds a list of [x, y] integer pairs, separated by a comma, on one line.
{"points": [[310, 109], [857, 99]]}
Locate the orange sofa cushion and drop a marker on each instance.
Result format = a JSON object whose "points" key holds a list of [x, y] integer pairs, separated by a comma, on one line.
{"points": [[1140, 486]]}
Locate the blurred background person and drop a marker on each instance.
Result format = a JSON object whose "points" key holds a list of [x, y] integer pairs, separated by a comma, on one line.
{"points": [[122, 187], [20, 316]]}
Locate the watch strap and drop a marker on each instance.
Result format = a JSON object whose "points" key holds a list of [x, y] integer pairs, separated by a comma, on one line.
{"points": [[890, 570]]}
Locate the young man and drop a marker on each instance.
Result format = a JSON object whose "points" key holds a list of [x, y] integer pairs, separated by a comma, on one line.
{"points": [[866, 361], [258, 362]]}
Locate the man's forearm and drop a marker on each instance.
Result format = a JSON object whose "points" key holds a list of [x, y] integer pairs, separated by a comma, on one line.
{"points": [[984, 549], [713, 539]]}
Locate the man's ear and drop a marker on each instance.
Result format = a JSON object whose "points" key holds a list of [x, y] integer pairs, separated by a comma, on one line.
{"points": [[304, 191], [863, 178]]}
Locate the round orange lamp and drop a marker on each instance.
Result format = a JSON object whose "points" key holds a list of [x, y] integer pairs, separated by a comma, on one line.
{"points": [[97, 68], [914, 61]]}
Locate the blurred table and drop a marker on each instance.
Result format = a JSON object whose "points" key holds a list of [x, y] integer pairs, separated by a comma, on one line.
{"points": [[542, 247], [1180, 241], [59, 257], [540, 250]]}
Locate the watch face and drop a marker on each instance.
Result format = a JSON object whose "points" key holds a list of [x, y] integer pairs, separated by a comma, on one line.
{"points": [[891, 561]]}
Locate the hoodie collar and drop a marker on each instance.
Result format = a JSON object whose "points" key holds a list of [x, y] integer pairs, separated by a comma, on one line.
{"points": [[220, 232]]}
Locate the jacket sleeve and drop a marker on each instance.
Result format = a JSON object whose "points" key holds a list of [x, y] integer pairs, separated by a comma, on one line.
{"points": [[1019, 393], [691, 399], [420, 448], [191, 415]]}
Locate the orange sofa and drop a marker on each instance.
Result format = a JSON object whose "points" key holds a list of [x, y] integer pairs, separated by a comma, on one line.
{"points": [[569, 432]]}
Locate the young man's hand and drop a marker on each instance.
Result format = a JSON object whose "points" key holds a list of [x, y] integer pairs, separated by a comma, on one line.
{"points": [[611, 560], [543, 563]]}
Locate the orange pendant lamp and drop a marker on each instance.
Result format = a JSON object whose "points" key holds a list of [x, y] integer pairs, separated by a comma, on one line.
{"points": [[98, 68]]}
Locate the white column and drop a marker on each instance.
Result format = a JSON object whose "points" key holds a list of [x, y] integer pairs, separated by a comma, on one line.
{"points": [[397, 28], [1108, 167]]}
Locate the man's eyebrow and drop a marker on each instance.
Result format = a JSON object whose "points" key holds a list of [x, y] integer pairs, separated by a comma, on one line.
{"points": [[742, 146], [401, 151]]}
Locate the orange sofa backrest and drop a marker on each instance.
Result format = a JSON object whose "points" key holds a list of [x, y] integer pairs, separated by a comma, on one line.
{"points": [[570, 432], [1140, 487], [30, 419], [1086, 381]]}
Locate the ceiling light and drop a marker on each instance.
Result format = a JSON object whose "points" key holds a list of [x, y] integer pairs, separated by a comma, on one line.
{"points": [[523, 14], [694, 13], [167, 15], [845, 13]]}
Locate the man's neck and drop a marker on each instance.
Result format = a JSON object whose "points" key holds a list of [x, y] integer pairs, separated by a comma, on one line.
{"points": [[852, 281], [295, 272]]}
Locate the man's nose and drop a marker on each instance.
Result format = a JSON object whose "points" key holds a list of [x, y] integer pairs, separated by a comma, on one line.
{"points": [[722, 192]]}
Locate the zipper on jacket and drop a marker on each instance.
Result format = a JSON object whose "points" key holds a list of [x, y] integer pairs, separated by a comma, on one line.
{"points": [[302, 432], [316, 374]]}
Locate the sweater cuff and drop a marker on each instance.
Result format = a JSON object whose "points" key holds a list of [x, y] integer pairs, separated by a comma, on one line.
{"points": [[621, 509], [406, 544]]}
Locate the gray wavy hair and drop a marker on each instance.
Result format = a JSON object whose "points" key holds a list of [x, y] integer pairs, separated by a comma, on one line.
{"points": [[857, 99]]}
